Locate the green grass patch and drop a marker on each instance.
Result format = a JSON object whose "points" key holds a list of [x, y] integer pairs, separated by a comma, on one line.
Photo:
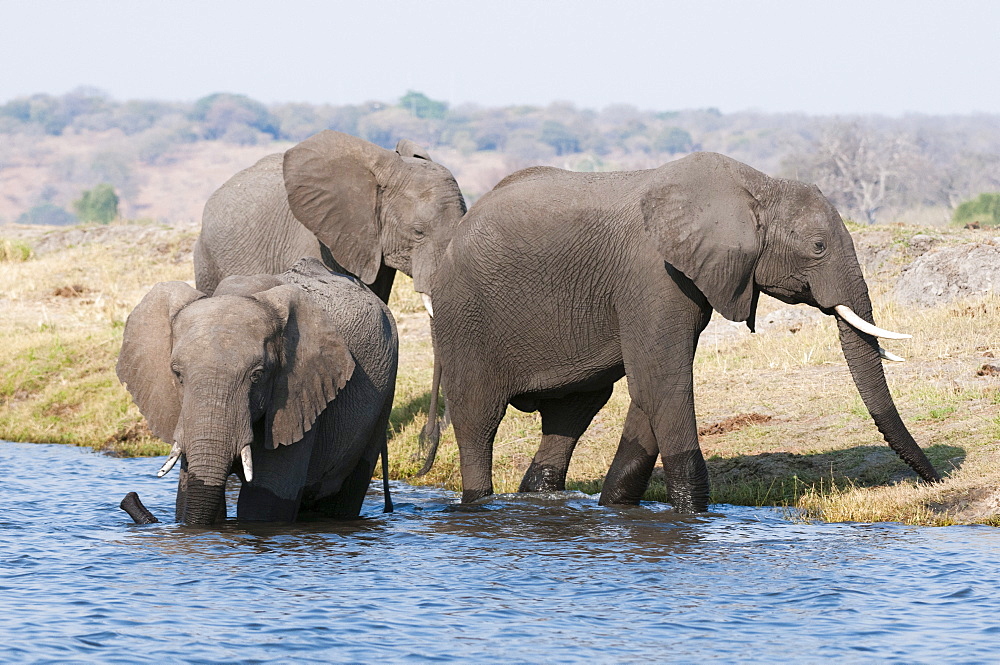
{"points": [[937, 414], [61, 388], [15, 251]]}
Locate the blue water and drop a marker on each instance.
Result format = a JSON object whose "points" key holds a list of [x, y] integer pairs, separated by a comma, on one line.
{"points": [[534, 579]]}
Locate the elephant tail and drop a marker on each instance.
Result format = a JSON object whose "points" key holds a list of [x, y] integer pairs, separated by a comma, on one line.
{"points": [[385, 475], [430, 435]]}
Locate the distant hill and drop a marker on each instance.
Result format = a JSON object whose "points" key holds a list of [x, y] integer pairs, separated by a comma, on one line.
{"points": [[165, 158]]}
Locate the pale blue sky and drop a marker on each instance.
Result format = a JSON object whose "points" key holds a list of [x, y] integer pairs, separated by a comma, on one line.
{"points": [[832, 57]]}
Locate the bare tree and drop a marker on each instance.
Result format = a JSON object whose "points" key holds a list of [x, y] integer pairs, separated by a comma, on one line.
{"points": [[861, 170]]}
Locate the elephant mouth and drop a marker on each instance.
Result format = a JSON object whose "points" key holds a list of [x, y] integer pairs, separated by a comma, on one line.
{"points": [[246, 459], [856, 322], [175, 454], [848, 316]]}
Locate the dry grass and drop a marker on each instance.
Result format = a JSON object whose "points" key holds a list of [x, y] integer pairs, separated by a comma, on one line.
{"points": [[818, 453], [64, 311]]}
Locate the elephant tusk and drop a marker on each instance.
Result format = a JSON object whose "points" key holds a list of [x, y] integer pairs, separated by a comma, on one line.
{"points": [[852, 319], [175, 454], [886, 355], [427, 304], [247, 460]]}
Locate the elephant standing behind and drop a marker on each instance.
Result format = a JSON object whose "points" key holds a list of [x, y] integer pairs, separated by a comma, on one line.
{"points": [[357, 207], [557, 284], [286, 380]]}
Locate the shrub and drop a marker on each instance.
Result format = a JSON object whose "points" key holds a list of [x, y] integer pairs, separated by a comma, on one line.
{"points": [[560, 137], [223, 112], [983, 210], [47, 213], [423, 106], [673, 140], [99, 204], [14, 251]]}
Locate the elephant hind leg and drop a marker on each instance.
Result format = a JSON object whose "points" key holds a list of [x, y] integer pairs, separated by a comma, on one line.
{"points": [[564, 421], [475, 427], [632, 467]]}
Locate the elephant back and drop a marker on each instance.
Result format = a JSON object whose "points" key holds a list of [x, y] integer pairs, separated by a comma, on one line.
{"points": [[260, 185], [247, 228], [363, 320]]}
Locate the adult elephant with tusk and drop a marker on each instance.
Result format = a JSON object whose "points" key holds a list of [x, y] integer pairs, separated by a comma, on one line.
{"points": [[285, 380], [557, 284]]}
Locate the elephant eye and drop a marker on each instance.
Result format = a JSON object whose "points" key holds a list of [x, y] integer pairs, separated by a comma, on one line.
{"points": [[177, 372], [256, 374], [819, 248], [418, 231]]}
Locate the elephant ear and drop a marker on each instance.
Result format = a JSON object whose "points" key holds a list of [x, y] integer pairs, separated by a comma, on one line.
{"points": [[704, 223], [408, 148], [332, 190], [315, 364], [144, 361]]}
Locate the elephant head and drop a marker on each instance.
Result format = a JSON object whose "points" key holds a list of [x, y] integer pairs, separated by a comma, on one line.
{"points": [[373, 207], [735, 232], [210, 374]]}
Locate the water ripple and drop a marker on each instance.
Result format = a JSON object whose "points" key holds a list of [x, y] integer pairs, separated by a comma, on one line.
{"points": [[549, 578]]}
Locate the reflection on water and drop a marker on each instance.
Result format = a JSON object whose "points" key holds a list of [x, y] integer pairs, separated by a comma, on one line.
{"points": [[543, 578]]}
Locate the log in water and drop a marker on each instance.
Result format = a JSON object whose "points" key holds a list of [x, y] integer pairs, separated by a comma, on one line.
{"points": [[138, 512]]}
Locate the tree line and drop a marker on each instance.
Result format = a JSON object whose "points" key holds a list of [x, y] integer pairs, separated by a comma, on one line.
{"points": [[874, 168]]}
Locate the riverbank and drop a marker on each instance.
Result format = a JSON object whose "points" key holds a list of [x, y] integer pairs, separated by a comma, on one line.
{"points": [[781, 421]]}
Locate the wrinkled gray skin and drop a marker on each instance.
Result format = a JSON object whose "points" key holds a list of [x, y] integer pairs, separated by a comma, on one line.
{"points": [[557, 284], [299, 366], [357, 207]]}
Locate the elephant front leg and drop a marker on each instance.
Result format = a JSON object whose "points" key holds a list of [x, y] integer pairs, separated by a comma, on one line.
{"points": [[279, 477], [684, 467], [632, 467], [666, 395]]}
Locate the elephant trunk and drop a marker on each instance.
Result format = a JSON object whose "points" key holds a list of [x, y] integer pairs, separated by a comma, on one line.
{"points": [[842, 290], [209, 459], [205, 483], [862, 354]]}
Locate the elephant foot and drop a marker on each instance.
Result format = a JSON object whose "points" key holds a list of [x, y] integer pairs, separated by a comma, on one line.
{"points": [[471, 496], [687, 502], [628, 476], [687, 481], [543, 478], [619, 499]]}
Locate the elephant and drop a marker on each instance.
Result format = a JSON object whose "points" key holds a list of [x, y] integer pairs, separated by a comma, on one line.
{"points": [[557, 284], [286, 380], [359, 208]]}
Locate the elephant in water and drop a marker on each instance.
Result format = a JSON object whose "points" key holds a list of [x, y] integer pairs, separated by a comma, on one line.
{"points": [[557, 284], [286, 380]]}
